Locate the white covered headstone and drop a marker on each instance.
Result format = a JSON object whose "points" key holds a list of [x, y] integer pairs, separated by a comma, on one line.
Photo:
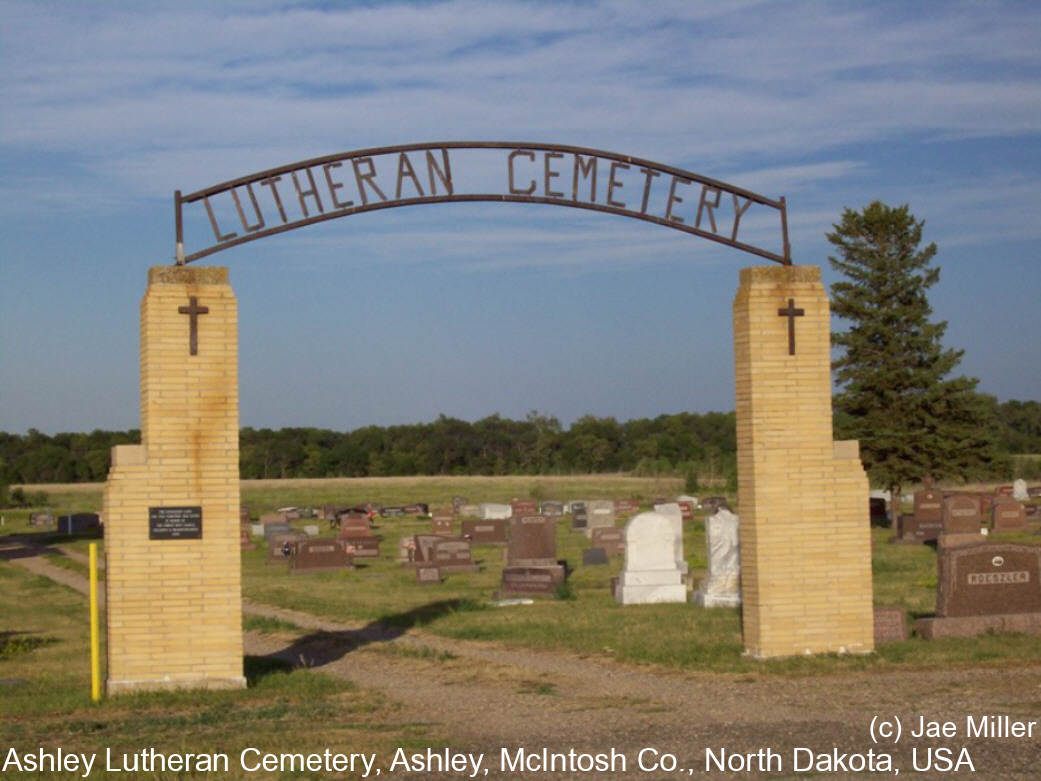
{"points": [[650, 573], [494, 512], [1019, 490], [675, 514], [722, 586]]}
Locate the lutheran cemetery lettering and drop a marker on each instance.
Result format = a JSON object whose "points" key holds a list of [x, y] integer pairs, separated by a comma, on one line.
{"points": [[323, 188]]}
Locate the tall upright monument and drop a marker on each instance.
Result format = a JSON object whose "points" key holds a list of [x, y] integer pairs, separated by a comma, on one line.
{"points": [[171, 504], [803, 497]]}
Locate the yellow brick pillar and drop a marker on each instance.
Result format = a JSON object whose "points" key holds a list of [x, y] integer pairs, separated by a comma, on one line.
{"points": [[805, 537], [171, 504]]}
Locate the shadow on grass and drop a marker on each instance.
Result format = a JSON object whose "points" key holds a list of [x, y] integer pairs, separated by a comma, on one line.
{"points": [[321, 648]]}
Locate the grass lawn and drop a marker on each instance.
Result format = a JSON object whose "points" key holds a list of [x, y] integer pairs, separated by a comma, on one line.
{"points": [[45, 697], [587, 621]]}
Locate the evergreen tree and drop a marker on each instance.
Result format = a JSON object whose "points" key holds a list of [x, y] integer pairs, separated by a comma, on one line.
{"points": [[912, 420]]}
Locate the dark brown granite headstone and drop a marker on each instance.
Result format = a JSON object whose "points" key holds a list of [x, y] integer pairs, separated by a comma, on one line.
{"points": [[363, 547], [423, 547], [890, 625], [492, 532], [610, 538], [442, 525], [320, 555], [911, 529], [532, 541], [961, 515], [531, 580], [354, 526], [928, 505], [523, 507], [626, 506], [452, 555], [1008, 515], [988, 579]]}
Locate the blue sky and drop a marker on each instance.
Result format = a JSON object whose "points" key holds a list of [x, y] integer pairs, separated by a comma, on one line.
{"points": [[472, 309]]}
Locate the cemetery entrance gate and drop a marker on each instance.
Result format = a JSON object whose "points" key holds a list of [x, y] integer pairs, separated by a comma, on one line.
{"points": [[171, 504]]}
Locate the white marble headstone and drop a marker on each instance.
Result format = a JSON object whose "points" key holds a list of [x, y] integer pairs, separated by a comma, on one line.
{"points": [[722, 586], [494, 512], [650, 573], [1019, 490], [675, 514]]}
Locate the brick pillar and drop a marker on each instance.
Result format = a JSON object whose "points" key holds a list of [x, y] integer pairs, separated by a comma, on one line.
{"points": [[174, 606], [805, 537]]}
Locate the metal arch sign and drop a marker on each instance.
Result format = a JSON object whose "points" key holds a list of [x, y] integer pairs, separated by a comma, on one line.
{"points": [[324, 188]]}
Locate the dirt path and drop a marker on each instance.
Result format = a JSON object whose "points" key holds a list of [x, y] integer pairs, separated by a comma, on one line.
{"points": [[488, 698]]}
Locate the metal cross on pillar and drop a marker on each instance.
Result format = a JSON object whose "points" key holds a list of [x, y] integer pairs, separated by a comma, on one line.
{"points": [[791, 313], [193, 310]]}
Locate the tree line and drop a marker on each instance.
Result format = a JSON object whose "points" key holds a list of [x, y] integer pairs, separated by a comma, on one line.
{"points": [[696, 446]]}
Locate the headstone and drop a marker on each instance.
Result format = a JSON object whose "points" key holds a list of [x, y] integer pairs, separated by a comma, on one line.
{"points": [[551, 509], [1004, 490], [243, 514], [267, 518], [319, 555], [609, 538], [600, 512], [354, 526], [688, 498], [712, 503], [1034, 491], [579, 515], [722, 585], [79, 523], [533, 541], [488, 511], [469, 511], [428, 575], [289, 513], [1008, 515], [392, 512], [673, 512], [452, 555], [273, 529], [311, 530], [926, 522], [686, 509], [650, 573], [244, 541], [485, 532], [592, 557], [280, 546], [442, 526], [41, 519], [256, 529], [961, 515], [986, 587], [890, 625], [626, 506], [328, 512], [520, 507], [363, 547], [1019, 490], [422, 548], [458, 502], [531, 581], [877, 511], [417, 508]]}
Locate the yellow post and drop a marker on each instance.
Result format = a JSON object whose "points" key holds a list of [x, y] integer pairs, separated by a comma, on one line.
{"points": [[95, 666]]}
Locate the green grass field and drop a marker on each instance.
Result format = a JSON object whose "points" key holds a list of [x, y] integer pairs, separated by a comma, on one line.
{"points": [[588, 621]]}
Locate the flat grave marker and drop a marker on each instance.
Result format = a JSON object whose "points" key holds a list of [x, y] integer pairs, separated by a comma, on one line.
{"points": [[485, 532]]}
